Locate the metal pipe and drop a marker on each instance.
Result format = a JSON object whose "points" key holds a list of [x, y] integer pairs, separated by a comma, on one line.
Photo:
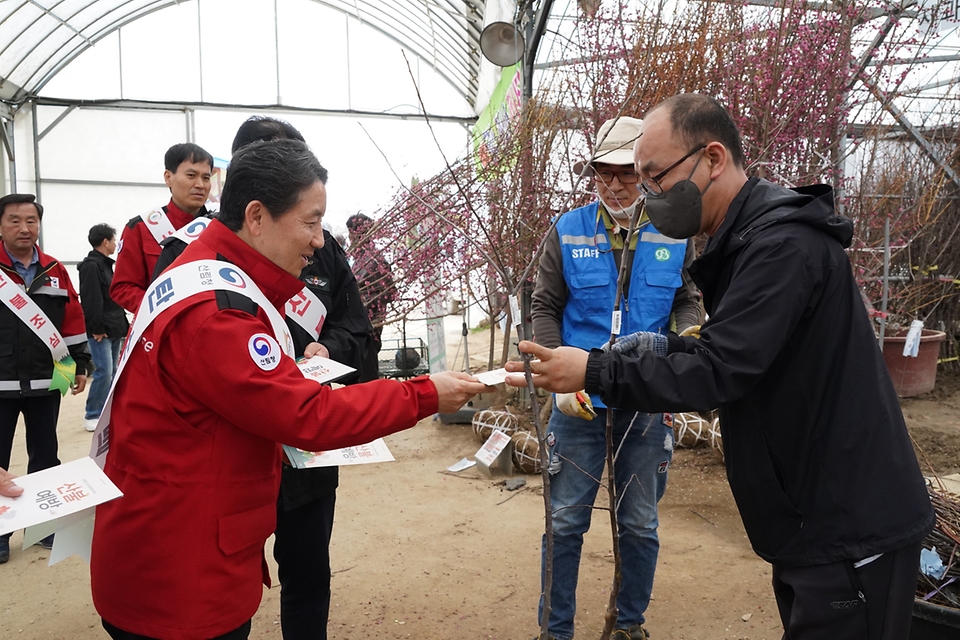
{"points": [[200, 49], [36, 162], [191, 125], [349, 74], [149, 105], [11, 152], [886, 279], [276, 47]]}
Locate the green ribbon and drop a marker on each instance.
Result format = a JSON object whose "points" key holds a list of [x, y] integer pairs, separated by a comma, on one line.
{"points": [[64, 375]]}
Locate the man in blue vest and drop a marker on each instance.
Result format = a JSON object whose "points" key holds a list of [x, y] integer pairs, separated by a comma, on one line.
{"points": [[573, 305]]}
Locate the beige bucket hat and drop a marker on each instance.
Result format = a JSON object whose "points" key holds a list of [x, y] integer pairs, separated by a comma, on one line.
{"points": [[614, 143]]}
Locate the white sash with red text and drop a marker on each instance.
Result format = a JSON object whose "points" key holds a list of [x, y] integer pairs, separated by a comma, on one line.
{"points": [[15, 298], [308, 311], [158, 224]]}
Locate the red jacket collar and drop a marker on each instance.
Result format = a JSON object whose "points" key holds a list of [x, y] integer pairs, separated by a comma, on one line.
{"points": [[43, 259], [178, 216], [278, 285]]}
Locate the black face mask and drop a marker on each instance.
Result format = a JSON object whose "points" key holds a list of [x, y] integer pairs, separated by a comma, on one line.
{"points": [[678, 212]]}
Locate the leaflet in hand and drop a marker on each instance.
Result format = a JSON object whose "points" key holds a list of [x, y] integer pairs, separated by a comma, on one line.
{"points": [[323, 369], [492, 378], [56, 492], [375, 451]]}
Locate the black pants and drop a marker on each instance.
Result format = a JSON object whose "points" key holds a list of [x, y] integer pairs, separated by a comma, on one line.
{"points": [[302, 551], [240, 633], [40, 415], [832, 601]]}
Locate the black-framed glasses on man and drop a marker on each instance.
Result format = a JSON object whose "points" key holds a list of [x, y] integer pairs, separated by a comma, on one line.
{"points": [[606, 176], [652, 185]]}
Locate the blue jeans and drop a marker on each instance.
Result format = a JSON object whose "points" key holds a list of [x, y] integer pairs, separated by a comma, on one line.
{"points": [[577, 457], [104, 355]]}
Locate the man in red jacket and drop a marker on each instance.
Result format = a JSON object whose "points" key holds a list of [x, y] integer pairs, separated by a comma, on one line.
{"points": [[204, 399], [40, 321], [187, 174]]}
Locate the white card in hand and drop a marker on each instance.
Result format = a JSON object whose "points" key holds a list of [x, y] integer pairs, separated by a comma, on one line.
{"points": [[491, 378]]}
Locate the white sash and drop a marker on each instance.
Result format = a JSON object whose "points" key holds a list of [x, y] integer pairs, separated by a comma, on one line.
{"points": [[158, 224], [192, 230], [29, 312], [308, 311], [305, 308], [170, 288]]}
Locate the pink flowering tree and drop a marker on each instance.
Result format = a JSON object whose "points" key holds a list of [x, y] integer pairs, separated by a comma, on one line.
{"points": [[813, 88]]}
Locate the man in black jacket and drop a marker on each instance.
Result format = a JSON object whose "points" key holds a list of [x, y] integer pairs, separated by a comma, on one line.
{"points": [[41, 328], [816, 449], [106, 320]]}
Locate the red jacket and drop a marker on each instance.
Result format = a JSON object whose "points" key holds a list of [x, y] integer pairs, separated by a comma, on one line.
{"points": [[137, 255], [193, 446], [26, 365]]}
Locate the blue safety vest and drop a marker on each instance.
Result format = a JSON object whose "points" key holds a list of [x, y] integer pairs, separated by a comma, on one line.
{"points": [[591, 276]]}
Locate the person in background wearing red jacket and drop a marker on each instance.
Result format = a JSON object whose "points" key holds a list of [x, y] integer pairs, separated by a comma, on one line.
{"points": [[26, 362], [187, 174], [204, 400]]}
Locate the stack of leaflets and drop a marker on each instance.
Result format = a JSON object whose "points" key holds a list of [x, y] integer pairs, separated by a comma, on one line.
{"points": [[375, 451], [325, 370]]}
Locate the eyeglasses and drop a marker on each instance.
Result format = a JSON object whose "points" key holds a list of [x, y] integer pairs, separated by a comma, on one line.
{"points": [[652, 185], [625, 177]]}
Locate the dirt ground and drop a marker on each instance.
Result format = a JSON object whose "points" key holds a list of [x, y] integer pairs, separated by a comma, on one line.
{"points": [[421, 553]]}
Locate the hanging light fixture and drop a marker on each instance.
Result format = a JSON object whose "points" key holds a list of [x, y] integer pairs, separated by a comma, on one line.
{"points": [[502, 44]]}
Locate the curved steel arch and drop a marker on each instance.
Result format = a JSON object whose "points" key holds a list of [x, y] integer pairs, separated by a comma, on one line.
{"points": [[38, 38], [447, 40]]}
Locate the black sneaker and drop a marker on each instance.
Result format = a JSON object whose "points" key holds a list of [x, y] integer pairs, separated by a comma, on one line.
{"points": [[4, 549], [47, 543]]}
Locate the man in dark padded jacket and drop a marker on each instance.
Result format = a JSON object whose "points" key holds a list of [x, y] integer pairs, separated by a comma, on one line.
{"points": [[817, 452]]}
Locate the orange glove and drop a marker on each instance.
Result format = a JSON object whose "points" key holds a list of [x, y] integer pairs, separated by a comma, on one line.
{"points": [[576, 404]]}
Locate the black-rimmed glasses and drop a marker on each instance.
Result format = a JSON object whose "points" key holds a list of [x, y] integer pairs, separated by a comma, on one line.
{"points": [[606, 176], [652, 185]]}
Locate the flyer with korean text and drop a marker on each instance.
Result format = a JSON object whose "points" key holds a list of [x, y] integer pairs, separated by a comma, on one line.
{"points": [[375, 451], [323, 369], [56, 492], [326, 370]]}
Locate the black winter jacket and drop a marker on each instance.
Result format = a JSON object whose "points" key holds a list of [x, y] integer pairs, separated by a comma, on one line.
{"points": [[101, 313], [26, 363], [346, 334], [817, 452]]}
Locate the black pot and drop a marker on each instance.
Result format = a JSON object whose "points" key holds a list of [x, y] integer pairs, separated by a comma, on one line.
{"points": [[934, 622], [406, 359]]}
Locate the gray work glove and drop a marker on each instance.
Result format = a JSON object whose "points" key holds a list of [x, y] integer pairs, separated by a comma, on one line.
{"points": [[634, 344]]}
